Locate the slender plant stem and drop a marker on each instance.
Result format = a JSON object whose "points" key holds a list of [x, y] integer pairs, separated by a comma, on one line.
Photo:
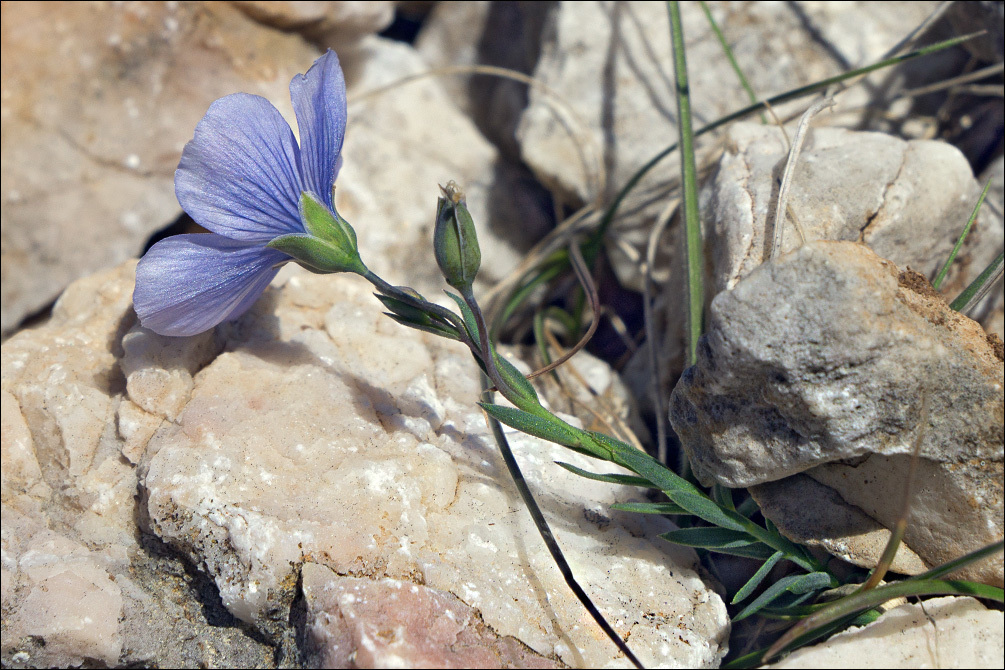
{"points": [[549, 538], [692, 226]]}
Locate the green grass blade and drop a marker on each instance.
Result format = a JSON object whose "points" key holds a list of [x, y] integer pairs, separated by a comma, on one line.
{"points": [[628, 480], [650, 508], [799, 584], [757, 578], [959, 242], [962, 561], [709, 537], [732, 59], [864, 600], [979, 287], [694, 254]]}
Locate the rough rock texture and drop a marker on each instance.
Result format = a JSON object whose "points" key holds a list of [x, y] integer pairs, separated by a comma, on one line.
{"points": [[842, 529], [829, 361], [907, 201], [940, 633], [79, 583], [98, 101], [388, 623], [312, 431]]}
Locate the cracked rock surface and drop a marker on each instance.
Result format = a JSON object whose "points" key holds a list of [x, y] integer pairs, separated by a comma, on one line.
{"points": [[313, 447], [831, 362]]}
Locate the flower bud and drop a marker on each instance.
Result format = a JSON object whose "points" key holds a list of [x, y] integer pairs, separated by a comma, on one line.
{"points": [[455, 243]]}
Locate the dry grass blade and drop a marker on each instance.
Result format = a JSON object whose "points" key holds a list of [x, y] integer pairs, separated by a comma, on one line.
{"points": [[790, 166], [652, 340], [583, 274]]}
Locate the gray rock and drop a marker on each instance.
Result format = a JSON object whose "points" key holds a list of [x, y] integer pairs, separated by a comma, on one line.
{"points": [[908, 201], [821, 362]]}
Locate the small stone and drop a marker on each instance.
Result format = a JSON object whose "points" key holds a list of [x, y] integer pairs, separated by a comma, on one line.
{"points": [[827, 362]]}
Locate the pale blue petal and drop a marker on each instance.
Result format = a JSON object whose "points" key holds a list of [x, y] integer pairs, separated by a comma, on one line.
{"points": [[187, 284], [320, 104], [239, 176]]}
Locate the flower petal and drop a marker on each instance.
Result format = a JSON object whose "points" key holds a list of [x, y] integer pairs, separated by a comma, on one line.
{"points": [[187, 284], [320, 104], [239, 176]]}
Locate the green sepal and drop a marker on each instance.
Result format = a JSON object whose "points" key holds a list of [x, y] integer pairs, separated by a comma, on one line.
{"points": [[317, 255], [552, 430], [433, 327], [321, 223]]}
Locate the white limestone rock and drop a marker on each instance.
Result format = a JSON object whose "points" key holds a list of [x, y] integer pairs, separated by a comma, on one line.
{"points": [[820, 362], [328, 434], [80, 583], [947, 632]]}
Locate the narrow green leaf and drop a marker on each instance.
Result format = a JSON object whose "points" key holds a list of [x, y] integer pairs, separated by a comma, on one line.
{"points": [[532, 424], [723, 496], [798, 584], [650, 508], [469, 317], [515, 379], [972, 294], [757, 578], [628, 480], [959, 242], [709, 537], [956, 564], [694, 254]]}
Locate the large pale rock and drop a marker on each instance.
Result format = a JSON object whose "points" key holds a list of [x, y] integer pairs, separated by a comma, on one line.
{"points": [[939, 633], [98, 101], [829, 361], [80, 583], [325, 442], [327, 434]]}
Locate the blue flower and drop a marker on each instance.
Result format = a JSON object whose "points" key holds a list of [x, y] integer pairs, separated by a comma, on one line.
{"points": [[265, 199]]}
